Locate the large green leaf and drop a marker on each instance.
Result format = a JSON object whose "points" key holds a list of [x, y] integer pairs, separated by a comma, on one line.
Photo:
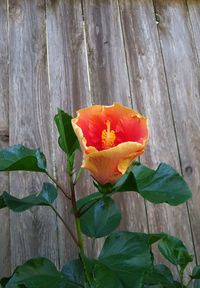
{"points": [[67, 140], [159, 275], [45, 198], [19, 157], [74, 271], [101, 219], [196, 283], [40, 273], [174, 251], [86, 201], [103, 276], [128, 256], [196, 272], [163, 185]]}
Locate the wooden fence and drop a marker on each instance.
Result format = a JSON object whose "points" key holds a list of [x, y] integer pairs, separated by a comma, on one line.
{"points": [[72, 53]]}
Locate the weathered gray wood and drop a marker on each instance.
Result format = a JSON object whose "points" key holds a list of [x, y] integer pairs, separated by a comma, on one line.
{"points": [[69, 90], [194, 13], [4, 139], [109, 82], [150, 95], [144, 85], [182, 70], [33, 233]]}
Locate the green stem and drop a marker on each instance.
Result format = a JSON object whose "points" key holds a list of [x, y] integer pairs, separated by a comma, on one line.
{"points": [[76, 213], [79, 234], [180, 272], [66, 226], [58, 185], [78, 175], [78, 229]]}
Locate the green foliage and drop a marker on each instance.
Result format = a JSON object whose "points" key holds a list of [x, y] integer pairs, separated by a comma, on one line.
{"points": [[74, 271], [159, 275], [67, 138], [196, 272], [128, 256], [40, 273], [174, 251], [100, 219], [84, 202], [19, 157], [45, 198], [196, 284], [163, 185], [126, 259]]}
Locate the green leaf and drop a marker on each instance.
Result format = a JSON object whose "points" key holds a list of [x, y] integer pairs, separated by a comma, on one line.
{"points": [[18, 157], [160, 274], [4, 281], [101, 219], [196, 284], [67, 140], [45, 198], [2, 202], [128, 256], [86, 201], [174, 251], [40, 273], [104, 277], [196, 272], [163, 185], [74, 271]]}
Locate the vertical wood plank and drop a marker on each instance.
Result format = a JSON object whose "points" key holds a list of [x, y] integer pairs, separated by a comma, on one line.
{"points": [[110, 83], [194, 13], [69, 90], [33, 233], [150, 95], [4, 139], [182, 70]]}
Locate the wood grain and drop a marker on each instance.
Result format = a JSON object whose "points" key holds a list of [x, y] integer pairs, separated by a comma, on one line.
{"points": [[4, 139], [69, 90], [182, 70], [194, 13], [71, 53], [150, 95], [110, 83], [33, 233]]}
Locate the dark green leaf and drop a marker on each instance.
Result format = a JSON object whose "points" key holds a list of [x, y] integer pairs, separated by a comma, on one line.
{"points": [[160, 274], [86, 201], [104, 277], [128, 256], [196, 284], [196, 272], [18, 157], [40, 273], [74, 272], [4, 281], [179, 285], [2, 202], [152, 286], [164, 185], [101, 219], [67, 138], [45, 198], [174, 250]]}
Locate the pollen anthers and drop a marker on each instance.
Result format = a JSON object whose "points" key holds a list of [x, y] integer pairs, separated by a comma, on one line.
{"points": [[108, 136]]}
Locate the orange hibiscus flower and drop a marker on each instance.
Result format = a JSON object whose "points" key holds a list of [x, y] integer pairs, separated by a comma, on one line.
{"points": [[111, 138]]}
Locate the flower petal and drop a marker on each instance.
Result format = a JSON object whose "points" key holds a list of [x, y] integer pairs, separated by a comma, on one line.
{"points": [[109, 165], [111, 137]]}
